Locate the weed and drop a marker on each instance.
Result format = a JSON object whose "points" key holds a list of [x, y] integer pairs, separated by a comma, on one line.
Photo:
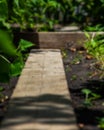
{"points": [[68, 68], [74, 77], [64, 53], [89, 97], [95, 47], [76, 60]]}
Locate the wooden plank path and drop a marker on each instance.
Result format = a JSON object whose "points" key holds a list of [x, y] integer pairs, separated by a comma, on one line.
{"points": [[41, 100]]}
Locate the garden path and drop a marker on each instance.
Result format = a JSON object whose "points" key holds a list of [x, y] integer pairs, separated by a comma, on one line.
{"points": [[41, 100]]}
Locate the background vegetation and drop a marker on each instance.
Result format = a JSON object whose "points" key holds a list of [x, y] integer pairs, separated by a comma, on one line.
{"points": [[44, 14]]}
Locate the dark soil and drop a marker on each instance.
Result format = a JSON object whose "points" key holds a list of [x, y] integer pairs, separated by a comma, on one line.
{"points": [[5, 95], [81, 73]]}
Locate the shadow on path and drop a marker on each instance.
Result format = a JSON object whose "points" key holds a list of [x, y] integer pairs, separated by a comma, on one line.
{"points": [[47, 108]]}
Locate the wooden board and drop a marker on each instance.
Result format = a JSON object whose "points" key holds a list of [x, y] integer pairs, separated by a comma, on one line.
{"points": [[52, 40], [41, 100]]}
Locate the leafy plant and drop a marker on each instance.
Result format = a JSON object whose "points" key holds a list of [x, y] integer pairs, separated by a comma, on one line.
{"points": [[86, 14], [89, 97], [45, 14], [101, 123], [96, 28], [95, 47], [18, 64], [51, 9], [74, 77], [64, 53], [11, 59], [76, 60], [22, 13], [7, 50], [4, 14]]}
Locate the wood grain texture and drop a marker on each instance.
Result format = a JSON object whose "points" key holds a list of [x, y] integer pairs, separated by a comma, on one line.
{"points": [[41, 100], [52, 40]]}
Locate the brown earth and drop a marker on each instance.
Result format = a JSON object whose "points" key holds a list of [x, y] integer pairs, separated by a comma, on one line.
{"points": [[81, 73]]}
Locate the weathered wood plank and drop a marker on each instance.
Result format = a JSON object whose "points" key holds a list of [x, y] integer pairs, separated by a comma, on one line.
{"points": [[41, 100], [52, 40], [58, 40]]}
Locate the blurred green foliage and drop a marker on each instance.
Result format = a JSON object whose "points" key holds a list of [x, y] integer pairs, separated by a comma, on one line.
{"points": [[95, 47], [44, 14], [11, 59]]}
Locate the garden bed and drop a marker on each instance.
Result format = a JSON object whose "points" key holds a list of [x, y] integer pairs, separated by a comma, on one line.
{"points": [[5, 95], [82, 74]]}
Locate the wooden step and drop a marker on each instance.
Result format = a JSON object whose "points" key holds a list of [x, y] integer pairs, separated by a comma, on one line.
{"points": [[41, 99]]}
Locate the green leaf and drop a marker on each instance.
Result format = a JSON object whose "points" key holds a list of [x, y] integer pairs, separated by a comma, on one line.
{"points": [[95, 96], [87, 35], [3, 23], [3, 9], [93, 43], [102, 1], [25, 44], [86, 91], [16, 3], [6, 45], [4, 64], [1, 88], [101, 123], [16, 68], [52, 4]]}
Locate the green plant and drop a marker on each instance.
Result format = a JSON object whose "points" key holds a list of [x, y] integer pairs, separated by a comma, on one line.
{"points": [[96, 28], [89, 97], [11, 59], [46, 13], [101, 123], [77, 59], [89, 12], [7, 50], [95, 47], [33, 13], [4, 14], [18, 64], [22, 13], [64, 53], [74, 77]]}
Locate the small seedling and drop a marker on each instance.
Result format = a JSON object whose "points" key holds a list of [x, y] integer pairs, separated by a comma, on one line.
{"points": [[87, 92], [76, 60], [68, 68], [64, 53], [89, 97], [74, 77]]}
